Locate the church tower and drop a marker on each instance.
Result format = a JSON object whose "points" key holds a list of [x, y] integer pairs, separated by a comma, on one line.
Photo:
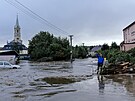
{"points": [[17, 33], [16, 43]]}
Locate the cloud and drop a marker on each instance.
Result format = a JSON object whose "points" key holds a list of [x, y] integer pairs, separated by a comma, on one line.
{"points": [[90, 21]]}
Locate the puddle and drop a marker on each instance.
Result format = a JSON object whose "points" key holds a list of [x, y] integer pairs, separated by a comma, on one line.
{"points": [[58, 80], [65, 79]]}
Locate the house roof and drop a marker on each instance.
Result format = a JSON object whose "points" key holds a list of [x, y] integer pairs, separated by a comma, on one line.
{"points": [[96, 48], [9, 53], [129, 25], [12, 44]]}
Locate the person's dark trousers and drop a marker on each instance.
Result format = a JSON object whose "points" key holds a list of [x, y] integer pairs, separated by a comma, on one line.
{"points": [[99, 66]]}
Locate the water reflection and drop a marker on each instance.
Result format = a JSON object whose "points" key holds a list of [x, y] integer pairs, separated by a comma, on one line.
{"points": [[101, 83], [128, 81]]}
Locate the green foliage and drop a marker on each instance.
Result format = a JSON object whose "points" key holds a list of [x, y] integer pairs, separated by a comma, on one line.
{"points": [[115, 55], [132, 55], [114, 45], [132, 52], [105, 47], [44, 44], [80, 52]]}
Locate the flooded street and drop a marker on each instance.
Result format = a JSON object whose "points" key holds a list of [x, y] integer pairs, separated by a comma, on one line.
{"points": [[61, 81]]}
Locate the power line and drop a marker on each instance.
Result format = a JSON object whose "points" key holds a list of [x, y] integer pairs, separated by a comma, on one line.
{"points": [[28, 13], [24, 11], [39, 16], [35, 16]]}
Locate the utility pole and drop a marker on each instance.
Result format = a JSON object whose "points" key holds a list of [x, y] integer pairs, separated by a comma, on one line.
{"points": [[83, 44], [71, 52]]}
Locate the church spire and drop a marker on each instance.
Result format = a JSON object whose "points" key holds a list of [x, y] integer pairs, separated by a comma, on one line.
{"points": [[17, 22], [17, 33]]}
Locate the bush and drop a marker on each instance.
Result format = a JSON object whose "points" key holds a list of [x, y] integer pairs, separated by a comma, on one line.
{"points": [[115, 55]]}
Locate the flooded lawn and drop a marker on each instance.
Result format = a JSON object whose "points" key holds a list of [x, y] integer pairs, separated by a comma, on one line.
{"points": [[62, 81]]}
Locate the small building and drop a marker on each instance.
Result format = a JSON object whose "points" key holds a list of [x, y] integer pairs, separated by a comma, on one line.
{"points": [[129, 38], [93, 51], [10, 56]]}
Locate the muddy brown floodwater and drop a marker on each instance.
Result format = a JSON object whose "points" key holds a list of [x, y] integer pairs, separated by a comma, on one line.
{"points": [[62, 81]]}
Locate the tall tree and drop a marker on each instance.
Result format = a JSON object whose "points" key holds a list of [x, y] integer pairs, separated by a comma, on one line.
{"points": [[44, 44], [80, 52], [114, 45], [105, 46]]}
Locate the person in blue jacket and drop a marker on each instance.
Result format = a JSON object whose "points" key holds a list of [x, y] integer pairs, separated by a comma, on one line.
{"points": [[100, 62]]}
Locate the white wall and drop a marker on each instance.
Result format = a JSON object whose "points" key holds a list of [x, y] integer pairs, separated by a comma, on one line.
{"points": [[24, 52], [9, 58]]}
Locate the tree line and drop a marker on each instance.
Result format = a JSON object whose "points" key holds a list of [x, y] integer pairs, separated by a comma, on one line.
{"points": [[46, 47]]}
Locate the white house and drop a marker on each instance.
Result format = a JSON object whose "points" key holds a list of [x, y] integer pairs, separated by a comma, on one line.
{"points": [[10, 56], [94, 50]]}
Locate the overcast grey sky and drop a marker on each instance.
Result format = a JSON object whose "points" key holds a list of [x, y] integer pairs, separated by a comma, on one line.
{"points": [[91, 22]]}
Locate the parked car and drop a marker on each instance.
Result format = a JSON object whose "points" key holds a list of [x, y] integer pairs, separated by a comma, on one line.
{"points": [[6, 64]]}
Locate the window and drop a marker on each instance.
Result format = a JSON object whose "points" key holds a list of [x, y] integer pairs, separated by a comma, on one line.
{"points": [[1, 63], [133, 32], [6, 63]]}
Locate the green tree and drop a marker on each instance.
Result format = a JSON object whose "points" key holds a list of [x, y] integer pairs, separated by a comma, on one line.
{"points": [[114, 45], [44, 44], [80, 52], [105, 46]]}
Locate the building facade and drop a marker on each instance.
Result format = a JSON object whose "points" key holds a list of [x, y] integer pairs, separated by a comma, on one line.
{"points": [[10, 56], [129, 38]]}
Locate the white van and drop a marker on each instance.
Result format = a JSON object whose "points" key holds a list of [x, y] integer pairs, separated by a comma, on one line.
{"points": [[6, 64]]}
